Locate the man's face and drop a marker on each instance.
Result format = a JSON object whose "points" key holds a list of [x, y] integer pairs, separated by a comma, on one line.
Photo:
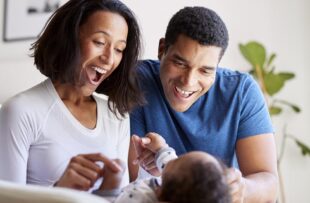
{"points": [[187, 71]]}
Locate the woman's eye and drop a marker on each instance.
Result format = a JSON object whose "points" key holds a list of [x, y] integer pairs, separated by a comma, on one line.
{"points": [[119, 50], [99, 43]]}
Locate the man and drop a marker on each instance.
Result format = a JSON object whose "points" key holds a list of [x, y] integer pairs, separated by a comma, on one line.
{"points": [[195, 105]]}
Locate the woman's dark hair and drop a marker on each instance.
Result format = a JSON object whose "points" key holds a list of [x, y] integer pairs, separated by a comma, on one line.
{"points": [[200, 183], [57, 51], [200, 24]]}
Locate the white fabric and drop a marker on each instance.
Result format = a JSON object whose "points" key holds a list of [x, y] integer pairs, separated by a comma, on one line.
{"points": [[143, 189], [39, 136], [16, 193], [163, 156], [137, 192]]}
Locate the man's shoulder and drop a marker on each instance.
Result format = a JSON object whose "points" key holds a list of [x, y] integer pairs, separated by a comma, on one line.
{"points": [[230, 73], [148, 73], [225, 75], [148, 67]]}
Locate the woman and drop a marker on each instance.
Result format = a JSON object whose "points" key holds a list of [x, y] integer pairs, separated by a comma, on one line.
{"points": [[58, 132]]}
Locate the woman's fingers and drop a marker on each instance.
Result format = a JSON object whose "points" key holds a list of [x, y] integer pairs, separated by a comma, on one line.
{"points": [[73, 179], [108, 162], [87, 173], [83, 171], [86, 162]]}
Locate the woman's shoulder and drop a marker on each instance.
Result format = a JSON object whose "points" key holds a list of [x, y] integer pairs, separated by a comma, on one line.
{"points": [[29, 101]]}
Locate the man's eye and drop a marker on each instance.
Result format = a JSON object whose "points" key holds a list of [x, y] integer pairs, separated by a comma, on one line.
{"points": [[207, 72], [178, 63]]}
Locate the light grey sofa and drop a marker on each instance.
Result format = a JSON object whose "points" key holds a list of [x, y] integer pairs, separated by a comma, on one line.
{"points": [[16, 193]]}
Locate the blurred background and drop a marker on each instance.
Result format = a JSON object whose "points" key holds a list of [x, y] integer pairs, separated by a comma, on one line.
{"points": [[282, 26]]}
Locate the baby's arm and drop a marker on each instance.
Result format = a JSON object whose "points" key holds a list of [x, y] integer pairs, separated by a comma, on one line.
{"points": [[110, 187]]}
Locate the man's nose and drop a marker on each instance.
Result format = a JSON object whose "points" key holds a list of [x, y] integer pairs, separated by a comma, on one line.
{"points": [[189, 78]]}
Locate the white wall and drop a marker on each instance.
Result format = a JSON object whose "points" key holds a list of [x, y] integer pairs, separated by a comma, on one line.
{"points": [[282, 25]]}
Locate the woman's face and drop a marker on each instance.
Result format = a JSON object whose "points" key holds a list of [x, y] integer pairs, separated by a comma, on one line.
{"points": [[102, 42]]}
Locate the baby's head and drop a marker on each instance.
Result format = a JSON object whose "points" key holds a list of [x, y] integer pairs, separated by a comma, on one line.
{"points": [[194, 177]]}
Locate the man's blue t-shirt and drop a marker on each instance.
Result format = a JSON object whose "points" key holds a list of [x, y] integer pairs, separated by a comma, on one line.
{"points": [[233, 108]]}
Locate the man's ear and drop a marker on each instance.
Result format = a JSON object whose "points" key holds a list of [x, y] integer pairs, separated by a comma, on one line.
{"points": [[161, 48]]}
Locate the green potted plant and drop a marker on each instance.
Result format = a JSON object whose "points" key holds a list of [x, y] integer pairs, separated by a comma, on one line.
{"points": [[271, 82]]}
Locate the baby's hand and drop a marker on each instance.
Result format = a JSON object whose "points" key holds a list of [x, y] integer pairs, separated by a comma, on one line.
{"points": [[112, 179], [153, 142]]}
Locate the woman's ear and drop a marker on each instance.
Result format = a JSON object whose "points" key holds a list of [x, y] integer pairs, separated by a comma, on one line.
{"points": [[161, 48]]}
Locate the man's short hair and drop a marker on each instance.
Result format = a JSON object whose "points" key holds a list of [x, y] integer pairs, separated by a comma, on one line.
{"points": [[200, 24]]}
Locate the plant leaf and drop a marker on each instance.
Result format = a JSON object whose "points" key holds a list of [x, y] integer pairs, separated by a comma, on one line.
{"points": [[287, 75], [254, 53], [271, 58], [293, 106], [273, 83], [274, 110], [305, 150]]}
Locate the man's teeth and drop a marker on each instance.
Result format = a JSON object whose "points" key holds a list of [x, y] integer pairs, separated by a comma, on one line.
{"points": [[100, 70], [184, 93]]}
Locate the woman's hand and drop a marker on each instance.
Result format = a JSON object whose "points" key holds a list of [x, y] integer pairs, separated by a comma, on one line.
{"points": [[82, 171], [236, 184]]}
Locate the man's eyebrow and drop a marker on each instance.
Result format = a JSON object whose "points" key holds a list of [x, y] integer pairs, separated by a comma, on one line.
{"points": [[209, 67], [180, 58]]}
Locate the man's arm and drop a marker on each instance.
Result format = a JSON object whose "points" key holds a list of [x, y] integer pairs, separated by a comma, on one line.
{"points": [[133, 168], [258, 163]]}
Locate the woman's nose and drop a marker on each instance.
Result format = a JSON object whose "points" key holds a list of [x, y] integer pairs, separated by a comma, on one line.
{"points": [[107, 56]]}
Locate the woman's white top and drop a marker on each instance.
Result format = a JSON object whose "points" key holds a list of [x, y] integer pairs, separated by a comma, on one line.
{"points": [[39, 136]]}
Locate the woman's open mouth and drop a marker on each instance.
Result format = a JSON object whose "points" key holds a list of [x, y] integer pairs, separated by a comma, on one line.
{"points": [[95, 74]]}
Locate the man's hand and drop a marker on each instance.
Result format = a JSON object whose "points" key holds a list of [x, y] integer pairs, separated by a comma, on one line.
{"points": [[236, 184], [82, 171], [146, 149]]}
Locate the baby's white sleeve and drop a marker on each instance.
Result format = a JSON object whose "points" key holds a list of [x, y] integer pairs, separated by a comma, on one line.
{"points": [[163, 156]]}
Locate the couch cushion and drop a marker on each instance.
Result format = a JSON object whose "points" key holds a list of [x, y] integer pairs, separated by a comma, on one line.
{"points": [[16, 193]]}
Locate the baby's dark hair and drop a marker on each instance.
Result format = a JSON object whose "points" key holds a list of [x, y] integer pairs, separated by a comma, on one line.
{"points": [[201, 182], [200, 24]]}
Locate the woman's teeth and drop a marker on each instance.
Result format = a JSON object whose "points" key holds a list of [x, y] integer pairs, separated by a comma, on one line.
{"points": [[100, 70]]}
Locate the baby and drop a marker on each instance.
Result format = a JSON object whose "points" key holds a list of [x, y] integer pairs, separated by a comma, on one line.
{"points": [[192, 177]]}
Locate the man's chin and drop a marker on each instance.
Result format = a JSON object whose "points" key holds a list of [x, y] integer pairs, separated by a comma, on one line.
{"points": [[179, 108]]}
